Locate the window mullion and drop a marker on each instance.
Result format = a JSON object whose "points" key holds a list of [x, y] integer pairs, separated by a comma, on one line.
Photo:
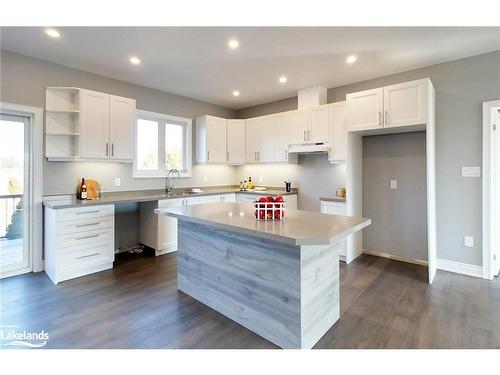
{"points": [[161, 147]]}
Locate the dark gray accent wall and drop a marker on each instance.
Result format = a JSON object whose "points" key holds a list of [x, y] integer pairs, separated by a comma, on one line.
{"points": [[23, 81], [399, 216], [461, 88]]}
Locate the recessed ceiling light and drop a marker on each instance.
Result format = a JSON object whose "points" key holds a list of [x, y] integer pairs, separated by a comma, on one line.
{"points": [[236, 93], [351, 59], [135, 60], [53, 33], [283, 79], [233, 43]]}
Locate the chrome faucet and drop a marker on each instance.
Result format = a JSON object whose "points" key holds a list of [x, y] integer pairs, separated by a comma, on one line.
{"points": [[168, 181]]}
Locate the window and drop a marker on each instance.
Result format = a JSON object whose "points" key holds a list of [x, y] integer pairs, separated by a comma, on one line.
{"points": [[163, 142]]}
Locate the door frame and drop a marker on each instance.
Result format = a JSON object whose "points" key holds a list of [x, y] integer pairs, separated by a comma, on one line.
{"points": [[35, 183], [487, 188]]}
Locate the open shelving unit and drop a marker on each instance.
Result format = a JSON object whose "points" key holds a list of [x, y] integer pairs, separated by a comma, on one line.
{"points": [[62, 122]]}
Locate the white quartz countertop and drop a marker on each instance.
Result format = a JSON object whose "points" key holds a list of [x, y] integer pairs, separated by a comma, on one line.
{"points": [[154, 195], [298, 227]]}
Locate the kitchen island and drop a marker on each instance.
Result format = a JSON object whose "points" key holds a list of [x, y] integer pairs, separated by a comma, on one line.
{"points": [[280, 279]]}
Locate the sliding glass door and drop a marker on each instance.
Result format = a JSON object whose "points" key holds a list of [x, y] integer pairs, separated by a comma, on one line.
{"points": [[15, 254]]}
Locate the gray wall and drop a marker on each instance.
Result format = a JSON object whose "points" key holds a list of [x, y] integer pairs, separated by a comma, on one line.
{"points": [[23, 81], [461, 88], [399, 217]]}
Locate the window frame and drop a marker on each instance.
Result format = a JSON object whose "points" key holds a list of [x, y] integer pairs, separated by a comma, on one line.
{"points": [[162, 119]]}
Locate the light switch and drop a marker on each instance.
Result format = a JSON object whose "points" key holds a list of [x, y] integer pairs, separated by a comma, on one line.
{"points": [[118, 181], [469, 241], [394, 184], [471, 172]]}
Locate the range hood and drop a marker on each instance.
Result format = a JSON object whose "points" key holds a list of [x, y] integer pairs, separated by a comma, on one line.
{"points": [[310, 97], [308, 148]]}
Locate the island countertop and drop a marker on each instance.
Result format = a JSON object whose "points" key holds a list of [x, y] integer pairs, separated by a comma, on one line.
{"points": [[298, 227]]}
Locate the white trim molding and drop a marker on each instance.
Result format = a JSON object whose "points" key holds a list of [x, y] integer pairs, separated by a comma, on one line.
{"points": [[395, 257], [487, 189], [461, 268], [36, 178]]}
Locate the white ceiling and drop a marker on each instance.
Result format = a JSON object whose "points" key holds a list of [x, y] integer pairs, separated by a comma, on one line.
{"points": [[196, 62]]}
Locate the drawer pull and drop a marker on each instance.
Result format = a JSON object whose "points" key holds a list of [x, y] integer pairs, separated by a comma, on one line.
{"points": [[87, 212], [86, 225], [87, 256], [84, 238]]}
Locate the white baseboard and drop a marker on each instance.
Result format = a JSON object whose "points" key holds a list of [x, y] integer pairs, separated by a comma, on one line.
{"points": [[461, 268], [395, 257]]}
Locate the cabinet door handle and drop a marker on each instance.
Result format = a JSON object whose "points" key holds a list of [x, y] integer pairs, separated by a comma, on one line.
{"points": [[107, 148], [86, 237], [87, 256], [87, 212], [308, 135], [304, 135], [258, 155], [379, 117], [227, 156], [386, 117], [208, 155], [112, 149], [286, 154], [86, 225]]}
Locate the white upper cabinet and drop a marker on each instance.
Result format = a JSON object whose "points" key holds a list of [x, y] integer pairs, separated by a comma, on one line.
{"points": [[85, 124], [400, 105], [122, 119], [211, 139], [95, 125], [338, 132], [365, 108], [252, 139], [236, 141], [299, 123], [405, 104], [281, 133], [267, 130], [318, 132]]}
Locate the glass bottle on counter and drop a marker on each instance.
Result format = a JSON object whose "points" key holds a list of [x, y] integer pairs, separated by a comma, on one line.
{"points": [[83, 190], [250, 183], [245, 185]]}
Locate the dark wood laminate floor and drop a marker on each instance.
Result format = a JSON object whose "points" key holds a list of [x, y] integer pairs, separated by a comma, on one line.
{"points": [[384, 304]]}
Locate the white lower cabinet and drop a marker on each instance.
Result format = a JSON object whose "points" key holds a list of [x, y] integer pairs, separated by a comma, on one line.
{"points": [[78, 241], [338, 208]]}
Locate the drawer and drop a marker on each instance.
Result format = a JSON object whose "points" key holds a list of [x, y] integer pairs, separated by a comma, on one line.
{"points": [[85, 257], [87, 238], [80, 213], [88, 224]]}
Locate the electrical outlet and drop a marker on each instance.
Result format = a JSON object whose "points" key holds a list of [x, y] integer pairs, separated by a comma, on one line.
{"points": [[469, 241], [394, 184], [118, 181], [471, 172], [205, 179]]}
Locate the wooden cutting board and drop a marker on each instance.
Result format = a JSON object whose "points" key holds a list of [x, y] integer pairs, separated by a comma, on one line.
{"points": [[92, 188]]}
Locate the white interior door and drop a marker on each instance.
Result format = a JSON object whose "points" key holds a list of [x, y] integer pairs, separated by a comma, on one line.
{"points": [[15, 256], [495, 175]]}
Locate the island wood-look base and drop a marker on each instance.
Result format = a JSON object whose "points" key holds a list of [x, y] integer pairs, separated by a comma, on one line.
{"points": [[288, 294]]}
